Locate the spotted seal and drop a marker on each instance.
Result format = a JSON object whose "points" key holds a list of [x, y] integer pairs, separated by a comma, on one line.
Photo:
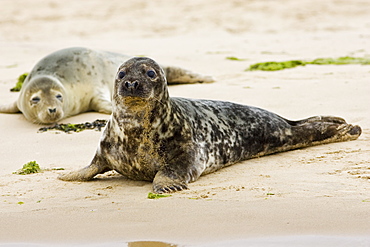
{"points": [[172, 141], [75, 80]]}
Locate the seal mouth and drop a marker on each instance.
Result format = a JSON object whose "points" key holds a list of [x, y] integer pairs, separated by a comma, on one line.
{"points": [[134, 93], [130, 94], [135, 101], [51, 117]]}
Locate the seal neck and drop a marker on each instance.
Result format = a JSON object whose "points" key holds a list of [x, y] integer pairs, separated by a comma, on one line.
{"points": [[146, 114]]}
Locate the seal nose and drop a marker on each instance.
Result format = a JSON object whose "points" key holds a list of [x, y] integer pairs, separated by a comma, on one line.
{"points": [[131, 85], [52, 110]]}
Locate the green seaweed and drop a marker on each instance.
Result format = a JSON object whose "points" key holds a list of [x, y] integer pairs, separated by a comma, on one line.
{"points": [[28, 168], [67, 128], [156, 196], [341, 61], [57, 169], [235, 59], [274, 66], [19, 83]]}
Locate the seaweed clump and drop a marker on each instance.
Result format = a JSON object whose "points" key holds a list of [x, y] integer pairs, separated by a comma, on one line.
{"points": [[156, 196], [67, 128], [28, 168], [273, 66], [19, 83], [341, 61]]}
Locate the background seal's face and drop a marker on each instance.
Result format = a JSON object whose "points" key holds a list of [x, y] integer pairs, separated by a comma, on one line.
{"points": [[139, 79], [43, 101]]}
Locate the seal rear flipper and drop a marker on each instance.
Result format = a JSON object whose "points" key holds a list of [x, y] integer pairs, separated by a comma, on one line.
{"points": [[165, 182], [315, 119], [176, 75], [317, 132], [10, 108]]}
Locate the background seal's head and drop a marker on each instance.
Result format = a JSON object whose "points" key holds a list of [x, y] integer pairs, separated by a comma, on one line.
{"points": [[41, 100]]}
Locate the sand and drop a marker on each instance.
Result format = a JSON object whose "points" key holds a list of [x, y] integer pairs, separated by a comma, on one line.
{"points": [[304, 196]]}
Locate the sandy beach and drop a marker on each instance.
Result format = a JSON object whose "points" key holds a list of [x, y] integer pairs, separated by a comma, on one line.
{"points": [[312, 196]]}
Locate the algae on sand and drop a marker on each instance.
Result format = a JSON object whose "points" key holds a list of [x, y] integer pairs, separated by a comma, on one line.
{"points": [[19, 83], [28, 168], [156, 196], [274, 66], [341, 61], [235, 59], [67, 128]]}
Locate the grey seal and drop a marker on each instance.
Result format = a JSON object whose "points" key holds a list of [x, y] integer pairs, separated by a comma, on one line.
{"points": [[172, 141], [75, 80]]}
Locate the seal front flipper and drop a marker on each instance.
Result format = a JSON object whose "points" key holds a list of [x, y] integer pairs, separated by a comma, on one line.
{"points": [[87, 173], [11, 108], [180, 168], [166, 181]]}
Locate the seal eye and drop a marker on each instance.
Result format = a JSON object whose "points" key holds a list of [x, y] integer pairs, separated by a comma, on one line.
{"points": [[59, 97], [121, 74], [150, 73], [35, 100]]}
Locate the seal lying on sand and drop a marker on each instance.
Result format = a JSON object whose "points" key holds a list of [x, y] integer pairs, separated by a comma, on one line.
{"points": [[172, 141], [75, 80]]}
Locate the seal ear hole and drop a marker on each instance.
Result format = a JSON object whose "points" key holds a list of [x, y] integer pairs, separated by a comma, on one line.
{"points": [[151, 73], [35, 100], [121, 74]]}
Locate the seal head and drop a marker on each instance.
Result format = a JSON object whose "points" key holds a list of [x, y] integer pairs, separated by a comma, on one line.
{"points": [[138, 79], [140, 96], [42, 100]]}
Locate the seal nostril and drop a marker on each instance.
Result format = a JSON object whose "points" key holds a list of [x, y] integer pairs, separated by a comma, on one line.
{"points": [[130, 85], [52, 110], [136, 84]]}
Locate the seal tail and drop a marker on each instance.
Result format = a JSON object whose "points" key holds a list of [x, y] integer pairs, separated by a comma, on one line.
{"points": [[321, 130], [10, 108]]}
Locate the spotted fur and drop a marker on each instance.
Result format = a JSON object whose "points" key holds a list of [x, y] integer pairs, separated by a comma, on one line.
{"points": [[173, 141]]}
